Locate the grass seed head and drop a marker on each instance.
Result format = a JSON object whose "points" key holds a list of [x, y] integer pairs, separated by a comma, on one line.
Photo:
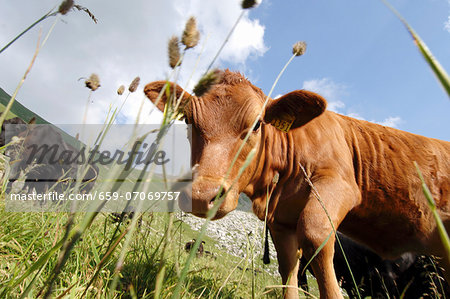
{"points": [[82, 8], [247, 4], [191, 35], [299, 48], [275, 179], [174, 52], [65, 6], [93, 83], [120, 90], [207, 81], [134, 84]]}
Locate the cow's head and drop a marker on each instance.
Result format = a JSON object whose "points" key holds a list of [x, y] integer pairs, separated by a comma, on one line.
{"points": [[220, 120]]}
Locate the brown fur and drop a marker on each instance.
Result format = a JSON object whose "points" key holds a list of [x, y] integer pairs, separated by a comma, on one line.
{"points": [[363, 172]]}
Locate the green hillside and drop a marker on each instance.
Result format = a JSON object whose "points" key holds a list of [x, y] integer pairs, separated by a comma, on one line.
{"points": [[19, 110], [26, 115]]}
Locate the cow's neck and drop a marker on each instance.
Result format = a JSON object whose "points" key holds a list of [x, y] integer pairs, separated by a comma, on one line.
{"points": [[285, 153], [275, 157]]}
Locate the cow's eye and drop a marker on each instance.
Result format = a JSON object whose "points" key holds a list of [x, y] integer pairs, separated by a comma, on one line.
{"points": [[256, 128]]}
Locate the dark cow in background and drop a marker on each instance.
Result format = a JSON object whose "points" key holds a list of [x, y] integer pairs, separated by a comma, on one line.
{"points": [[363, 172], [189, 245], [201, 249], [18, 126], [410, 275], [48, 161]]}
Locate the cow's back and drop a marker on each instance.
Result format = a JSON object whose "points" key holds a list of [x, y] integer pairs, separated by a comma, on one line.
{"points": [[393, 207]]}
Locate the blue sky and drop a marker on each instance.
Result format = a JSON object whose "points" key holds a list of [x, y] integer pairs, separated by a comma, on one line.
{"points": [[359, 56]]}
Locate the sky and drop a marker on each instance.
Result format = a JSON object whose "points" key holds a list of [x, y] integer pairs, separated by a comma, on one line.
{"points": [[359, 56]]}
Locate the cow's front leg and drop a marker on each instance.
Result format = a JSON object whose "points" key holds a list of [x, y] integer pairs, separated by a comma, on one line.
{"points": [[286, 244], [315, 229], [322, 263]]}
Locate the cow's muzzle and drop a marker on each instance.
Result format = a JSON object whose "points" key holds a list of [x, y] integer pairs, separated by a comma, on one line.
{"points": [[203, 196]]}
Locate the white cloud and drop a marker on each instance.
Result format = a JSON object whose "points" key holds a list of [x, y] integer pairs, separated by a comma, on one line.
{"points": [[447, 25], [215, 19], [391, 121], [334, 92], [129, 40], [330, 90], [355, 115]]}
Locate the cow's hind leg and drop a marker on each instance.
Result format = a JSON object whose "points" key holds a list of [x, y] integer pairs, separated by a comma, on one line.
{"points": [[302, 277]]}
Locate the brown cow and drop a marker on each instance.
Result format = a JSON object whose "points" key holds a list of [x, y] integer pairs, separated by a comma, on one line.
{"points": [[363, 172]]}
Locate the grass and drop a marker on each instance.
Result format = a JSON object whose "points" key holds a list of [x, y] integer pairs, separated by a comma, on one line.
{"points": [[25, 237]]}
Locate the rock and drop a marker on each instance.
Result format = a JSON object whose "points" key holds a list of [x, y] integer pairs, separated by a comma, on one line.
{"points": [[234, 232]]}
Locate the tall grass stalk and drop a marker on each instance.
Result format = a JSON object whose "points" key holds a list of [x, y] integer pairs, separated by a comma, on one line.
{"points": [[72, 236], [252, 256], [432, 204], [268, 196], [36, 266], [131, 89], [249, 133], [194, 69], [433, 63], [317, 251], [245, 265], [106, 126], [161, 134], [162, 261], [258, 117], [283, 286], [441, 286], [45, 16], [36, 52], [68, 242], [225, 42], [38, 273], [164, 88], [229, 276], [201, 234], [105, 258], [51, 13], [128, 238]]}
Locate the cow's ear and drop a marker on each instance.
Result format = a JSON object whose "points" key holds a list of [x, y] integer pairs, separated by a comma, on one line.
{"points": [[294, 109], [165, 88]]}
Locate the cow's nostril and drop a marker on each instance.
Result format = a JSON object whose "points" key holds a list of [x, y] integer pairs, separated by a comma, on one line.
{"points": [[222, 193]]}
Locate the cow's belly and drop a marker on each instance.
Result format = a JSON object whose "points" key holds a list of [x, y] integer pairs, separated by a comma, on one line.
{"points": [[390, 232]]}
